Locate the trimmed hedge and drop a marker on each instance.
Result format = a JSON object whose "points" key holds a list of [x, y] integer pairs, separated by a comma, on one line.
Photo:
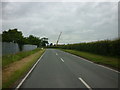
{"points": [[105, 47]]}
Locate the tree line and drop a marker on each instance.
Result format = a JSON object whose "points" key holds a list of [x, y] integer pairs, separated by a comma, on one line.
{"points": [[15, 36]]}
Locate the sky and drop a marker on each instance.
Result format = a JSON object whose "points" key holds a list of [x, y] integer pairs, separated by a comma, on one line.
{"points": [[78, 21]]}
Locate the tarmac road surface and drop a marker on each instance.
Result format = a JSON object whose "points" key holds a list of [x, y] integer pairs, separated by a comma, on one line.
{"points": [[58, 69]]}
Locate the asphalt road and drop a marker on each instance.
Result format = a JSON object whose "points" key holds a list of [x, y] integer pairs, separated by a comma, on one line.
{"points": [[58, 69]]}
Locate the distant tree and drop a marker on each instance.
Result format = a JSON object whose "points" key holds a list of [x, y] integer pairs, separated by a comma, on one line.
{"points": [[44, 41], [25, 40], [33, 40], [0, 37], [51, 44]]}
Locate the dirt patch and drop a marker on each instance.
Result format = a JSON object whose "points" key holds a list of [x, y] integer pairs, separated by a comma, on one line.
{"points": [[11, 68]]}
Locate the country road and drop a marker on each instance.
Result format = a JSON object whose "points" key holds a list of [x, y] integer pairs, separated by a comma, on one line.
{"points": [[58, 69]]}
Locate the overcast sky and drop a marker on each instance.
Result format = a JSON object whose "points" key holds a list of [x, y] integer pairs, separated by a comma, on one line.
{"points": [[78, 22]]}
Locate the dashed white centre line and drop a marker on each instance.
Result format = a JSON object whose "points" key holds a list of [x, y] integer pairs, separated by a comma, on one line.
{"points": [[85, 83], [62, 60], [56, 54]]}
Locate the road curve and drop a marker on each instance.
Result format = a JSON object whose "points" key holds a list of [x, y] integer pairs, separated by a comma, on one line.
{"points": [[58, 69]]}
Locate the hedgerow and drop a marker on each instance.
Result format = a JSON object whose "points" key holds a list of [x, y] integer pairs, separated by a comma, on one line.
{"points": [[104, 47]]}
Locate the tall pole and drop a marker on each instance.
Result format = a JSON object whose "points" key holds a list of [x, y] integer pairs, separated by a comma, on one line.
{"points": [[58, 38]]}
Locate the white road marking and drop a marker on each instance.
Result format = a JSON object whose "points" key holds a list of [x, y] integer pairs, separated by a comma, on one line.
{"points": [[56, 54], [86, 60], [82, 58], [28, 73], [62, 60], [108, 68], [95, 63], [85, 83]]}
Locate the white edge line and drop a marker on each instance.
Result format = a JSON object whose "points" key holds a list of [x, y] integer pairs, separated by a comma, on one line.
{"points": [[79, 57], [62, 59], [101, 65], [96, 63], [28, 73], [85, 83], [82, 58], [107, 68]]}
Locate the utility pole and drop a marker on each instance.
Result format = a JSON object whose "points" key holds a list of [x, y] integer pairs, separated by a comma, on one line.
{"points": [[58, 38]]}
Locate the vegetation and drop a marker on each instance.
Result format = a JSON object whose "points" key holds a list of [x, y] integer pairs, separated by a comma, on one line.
{"points": [[15, 71], [7, 59], [13, 35], [105, 47], [105, 60], [106, 52], [16, 65], [32, 40]]}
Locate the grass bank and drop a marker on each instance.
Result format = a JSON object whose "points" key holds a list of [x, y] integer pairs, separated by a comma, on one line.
{"points": [[111, 62], [7, 59], [14, 71]]}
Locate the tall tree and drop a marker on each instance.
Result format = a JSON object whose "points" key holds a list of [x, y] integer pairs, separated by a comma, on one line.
{"points": [[13, 35]]}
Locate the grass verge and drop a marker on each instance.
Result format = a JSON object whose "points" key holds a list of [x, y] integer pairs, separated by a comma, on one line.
{"points": [[16, 70], [7, 59], [111, 62]]}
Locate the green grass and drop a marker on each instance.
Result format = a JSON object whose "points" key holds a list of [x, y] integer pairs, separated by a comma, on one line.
{"points": [[7, 59], [21, 72], [111, 62]]}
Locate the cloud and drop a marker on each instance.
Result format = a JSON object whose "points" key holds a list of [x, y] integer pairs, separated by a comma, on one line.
{"points": [[78, 22]]}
